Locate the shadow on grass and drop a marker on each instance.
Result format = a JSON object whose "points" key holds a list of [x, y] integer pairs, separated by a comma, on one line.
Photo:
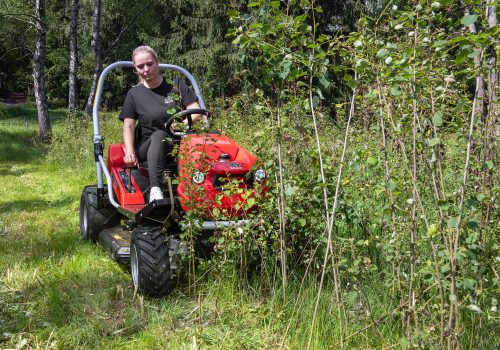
{"points": [[19, 144], [28, 112], [9, 169], [35, 205]]}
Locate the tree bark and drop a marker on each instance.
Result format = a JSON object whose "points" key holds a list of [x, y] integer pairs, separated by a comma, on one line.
{"points": [[477, 65], [44, 128], [96, 23], [491, 14], [73, 57]]}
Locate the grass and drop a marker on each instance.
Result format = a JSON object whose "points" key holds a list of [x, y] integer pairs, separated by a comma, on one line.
{"points": [[58, 292]]}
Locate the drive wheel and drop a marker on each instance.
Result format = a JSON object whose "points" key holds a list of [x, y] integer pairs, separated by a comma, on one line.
{"points": [[88, 229], [150, 262]]}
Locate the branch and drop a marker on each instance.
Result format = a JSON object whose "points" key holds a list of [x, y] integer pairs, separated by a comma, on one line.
{"points": [[15, 16]]}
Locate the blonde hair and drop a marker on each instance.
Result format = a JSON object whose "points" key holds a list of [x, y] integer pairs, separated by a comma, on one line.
{"points": [[144, 48]]}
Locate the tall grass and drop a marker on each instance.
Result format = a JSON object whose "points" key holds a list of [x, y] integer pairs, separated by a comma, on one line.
{"points": [[59, 292]]}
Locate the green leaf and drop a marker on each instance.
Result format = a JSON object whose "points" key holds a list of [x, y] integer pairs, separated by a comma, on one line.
{"points": [[481, 197], [290, 191], [468, 20], [474, 308], [488, 165], [254, 4], [440, 43], [453, 222], [462, 55], [473, 225], [469, 283], [237, 39], [361, 64], [382, 53], [351, 297], [315, 101], [437, 119], [434, 141], [471, 203], [443, 204], [400, 78], [474, 54], [324, 81], [251, 202], [372, 161], [302, 222], [395, 91]]}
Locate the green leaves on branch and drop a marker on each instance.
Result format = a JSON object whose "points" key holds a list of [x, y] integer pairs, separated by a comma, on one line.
{"points": [[282, 44]]}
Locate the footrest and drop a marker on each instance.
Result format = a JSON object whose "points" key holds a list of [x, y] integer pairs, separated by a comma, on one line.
{"points": [[156, 211]]}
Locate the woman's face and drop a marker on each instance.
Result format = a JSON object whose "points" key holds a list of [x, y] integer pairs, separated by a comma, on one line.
{"points": [[146, 66]]}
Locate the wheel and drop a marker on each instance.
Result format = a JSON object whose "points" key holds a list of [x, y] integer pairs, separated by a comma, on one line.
{"points": [[93, 220], [88, 229], [176, 135], [150, 262]]}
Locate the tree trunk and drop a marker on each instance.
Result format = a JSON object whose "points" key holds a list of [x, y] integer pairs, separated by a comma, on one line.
{"points": [[96, 22], [73, 57], [491, 14], [477, 65], [38, 72]]}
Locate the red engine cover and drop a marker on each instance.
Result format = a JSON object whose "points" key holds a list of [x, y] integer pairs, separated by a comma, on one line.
{"points": [[228, 170]]}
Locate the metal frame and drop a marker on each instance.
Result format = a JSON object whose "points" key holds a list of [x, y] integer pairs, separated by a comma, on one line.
{"points": [[98, 139]]}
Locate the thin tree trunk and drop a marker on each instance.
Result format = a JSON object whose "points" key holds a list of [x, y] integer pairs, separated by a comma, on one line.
{"points": [[44, 128], [477, 65], [96, 24], [332, 220], [73, 57], [282, 204], [492, 128], [411, 300]]}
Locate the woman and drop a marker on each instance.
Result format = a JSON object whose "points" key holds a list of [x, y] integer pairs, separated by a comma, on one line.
{"points": [[147, 104]]}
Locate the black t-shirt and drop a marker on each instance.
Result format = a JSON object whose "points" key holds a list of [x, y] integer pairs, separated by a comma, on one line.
{"points": [[153, 107]]}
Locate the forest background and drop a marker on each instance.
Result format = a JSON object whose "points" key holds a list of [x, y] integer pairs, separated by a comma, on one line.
{"points": [[378, 125]]}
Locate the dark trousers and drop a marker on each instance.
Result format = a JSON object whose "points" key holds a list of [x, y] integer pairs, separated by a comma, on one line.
{"points": [[156, 151]]}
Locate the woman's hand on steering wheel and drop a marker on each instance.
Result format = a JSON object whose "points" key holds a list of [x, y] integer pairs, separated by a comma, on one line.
{"points": [[173, 121]]}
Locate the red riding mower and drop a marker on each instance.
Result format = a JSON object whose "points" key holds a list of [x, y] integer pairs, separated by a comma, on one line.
{"points": [[147, 235]]}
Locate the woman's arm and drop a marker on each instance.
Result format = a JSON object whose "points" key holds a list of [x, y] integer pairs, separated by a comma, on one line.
{"points": [[194, 105], [129, 140]]}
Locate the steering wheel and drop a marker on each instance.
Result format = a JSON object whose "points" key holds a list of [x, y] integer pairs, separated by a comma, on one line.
{"points": [[179, 116]]}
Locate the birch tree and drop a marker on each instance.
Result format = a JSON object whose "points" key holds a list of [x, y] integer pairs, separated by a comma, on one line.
{"points": [[96, 47], [38, 72], [73, 57]]}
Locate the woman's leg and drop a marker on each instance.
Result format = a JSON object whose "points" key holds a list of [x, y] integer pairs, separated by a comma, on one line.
{"points": [[155, 151]]}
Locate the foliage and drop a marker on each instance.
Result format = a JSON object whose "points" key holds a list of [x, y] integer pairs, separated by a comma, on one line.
{"points": [[415, 251]]}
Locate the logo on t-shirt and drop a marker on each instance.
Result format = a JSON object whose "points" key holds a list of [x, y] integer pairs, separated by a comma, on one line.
{"points": [[168, 99]]}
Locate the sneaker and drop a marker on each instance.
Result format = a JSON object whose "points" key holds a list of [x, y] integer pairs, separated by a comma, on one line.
{"points": [[155, 194]]}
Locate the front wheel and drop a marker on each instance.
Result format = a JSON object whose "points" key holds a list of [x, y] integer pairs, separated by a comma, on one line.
{"points": [[150, 262], [94, 219], [88, 229]]}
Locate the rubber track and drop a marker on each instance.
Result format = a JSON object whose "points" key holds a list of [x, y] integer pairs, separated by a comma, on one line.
{"points": [[155, 276]]}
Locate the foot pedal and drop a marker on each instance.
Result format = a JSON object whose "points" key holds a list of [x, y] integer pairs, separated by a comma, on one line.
{"points": [[116, 241]]}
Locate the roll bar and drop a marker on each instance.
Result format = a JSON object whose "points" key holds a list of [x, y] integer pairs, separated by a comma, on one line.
{"points": [[98, 139]]}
